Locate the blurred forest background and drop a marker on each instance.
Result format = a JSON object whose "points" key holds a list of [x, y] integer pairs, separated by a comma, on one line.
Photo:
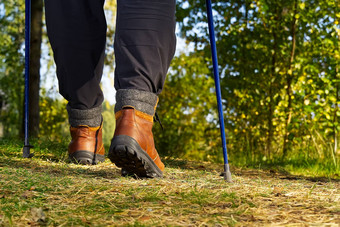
{"points": [[280, 76]]}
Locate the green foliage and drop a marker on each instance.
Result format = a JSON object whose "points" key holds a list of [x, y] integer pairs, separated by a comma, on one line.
{"points": [[279, 63], [109, 123], [53, 118], [11, 66], [187, 111]]}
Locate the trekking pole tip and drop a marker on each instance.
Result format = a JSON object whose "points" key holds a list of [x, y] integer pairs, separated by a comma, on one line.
{"points": [[227, 173], [26, 151]]}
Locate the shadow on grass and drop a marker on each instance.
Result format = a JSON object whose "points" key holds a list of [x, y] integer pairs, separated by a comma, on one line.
{"points": [[51, 157], [110, 171], [61, 168]]}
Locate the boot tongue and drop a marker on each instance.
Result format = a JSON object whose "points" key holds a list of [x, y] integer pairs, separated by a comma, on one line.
{"points": [[128, 107]]}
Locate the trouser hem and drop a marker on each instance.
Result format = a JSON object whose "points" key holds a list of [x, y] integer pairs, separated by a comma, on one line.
{"points": [[90, 117], [143, 101]]}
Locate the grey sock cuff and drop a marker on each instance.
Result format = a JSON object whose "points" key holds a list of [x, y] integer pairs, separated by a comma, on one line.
{"points": [[91, 117], [141, 100]]}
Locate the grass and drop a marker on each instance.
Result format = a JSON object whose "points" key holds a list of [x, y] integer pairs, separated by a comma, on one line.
{"points": [[48, 191], [294, 164]]}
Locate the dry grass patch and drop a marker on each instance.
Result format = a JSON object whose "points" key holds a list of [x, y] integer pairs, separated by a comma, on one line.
{"points": [[54, 193]]}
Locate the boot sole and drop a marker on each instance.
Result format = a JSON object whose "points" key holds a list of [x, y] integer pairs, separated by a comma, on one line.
{"points": [[86, 158], [126, 153]]}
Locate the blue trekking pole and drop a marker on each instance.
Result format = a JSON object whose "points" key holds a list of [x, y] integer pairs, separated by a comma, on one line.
{"points": [[27, 146], [226, 173]]}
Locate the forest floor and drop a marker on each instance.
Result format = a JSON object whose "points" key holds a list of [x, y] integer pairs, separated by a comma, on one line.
{"points": [[48, 191]]}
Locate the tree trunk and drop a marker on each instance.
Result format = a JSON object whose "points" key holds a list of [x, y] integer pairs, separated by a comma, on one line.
{"points": [[336, 118], [272, 87], [271, 102], [289, 80], [35, 53], [335, 122]]}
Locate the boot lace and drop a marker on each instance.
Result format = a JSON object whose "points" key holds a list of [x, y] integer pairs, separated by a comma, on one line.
{"points": [[156, 119]]}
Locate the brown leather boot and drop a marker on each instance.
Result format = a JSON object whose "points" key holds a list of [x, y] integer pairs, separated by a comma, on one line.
{"points": [[86, 146], [132, 147]]}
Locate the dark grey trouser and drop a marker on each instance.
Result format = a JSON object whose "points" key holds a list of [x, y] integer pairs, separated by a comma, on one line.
{"points": [[144, 46]]}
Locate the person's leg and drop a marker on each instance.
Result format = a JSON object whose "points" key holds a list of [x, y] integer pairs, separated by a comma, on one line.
{"points": [[144, 46], [77, 33], [145, 43]]}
